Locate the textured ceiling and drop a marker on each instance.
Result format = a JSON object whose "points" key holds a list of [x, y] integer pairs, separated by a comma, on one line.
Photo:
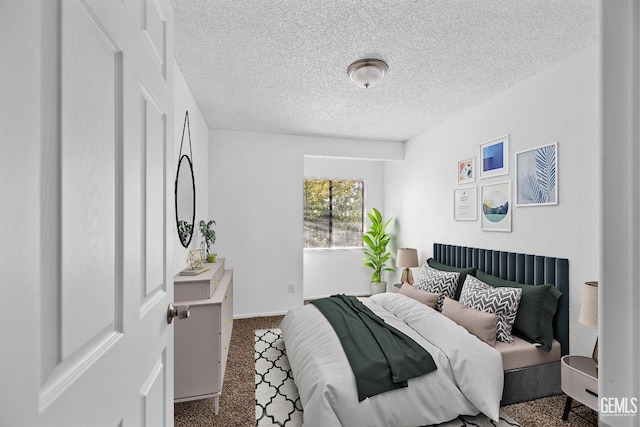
{"points": [[280, 65]]}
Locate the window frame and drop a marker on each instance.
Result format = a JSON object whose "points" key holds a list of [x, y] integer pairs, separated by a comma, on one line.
{"points": [[331, 236]]}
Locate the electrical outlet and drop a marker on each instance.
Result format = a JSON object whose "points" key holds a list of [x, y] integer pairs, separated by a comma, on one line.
{"points": [[292, 288]]}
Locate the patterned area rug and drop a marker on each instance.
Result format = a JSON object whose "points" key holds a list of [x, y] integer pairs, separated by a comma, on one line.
{"points": [[277, 399]]}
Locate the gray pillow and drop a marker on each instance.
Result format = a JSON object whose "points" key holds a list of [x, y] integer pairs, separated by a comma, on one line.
{"points": [[438, 282], [537, 307], [501, 301], [463, 273]]}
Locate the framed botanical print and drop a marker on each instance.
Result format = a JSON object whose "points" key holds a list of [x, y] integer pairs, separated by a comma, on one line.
{"points": [[494, 157], [537, 176]]}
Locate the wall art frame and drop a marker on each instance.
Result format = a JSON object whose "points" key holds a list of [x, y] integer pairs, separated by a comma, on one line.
{"points": [[465, 203], [496, 207], [537, 176], [494, 157], [467, 171]]}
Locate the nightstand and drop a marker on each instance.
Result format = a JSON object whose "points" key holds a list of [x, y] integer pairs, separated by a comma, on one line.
{"points": [[579, 381]]}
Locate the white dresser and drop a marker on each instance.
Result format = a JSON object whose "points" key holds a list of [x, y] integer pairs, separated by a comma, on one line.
{"points": [[201, 341]]}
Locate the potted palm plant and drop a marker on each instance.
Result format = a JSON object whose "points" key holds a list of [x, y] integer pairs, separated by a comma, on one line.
{"points": [[376, 255], [209, 236]]}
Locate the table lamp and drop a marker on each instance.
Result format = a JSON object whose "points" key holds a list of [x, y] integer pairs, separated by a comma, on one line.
{"points": [[407, 258], [589, 311]]}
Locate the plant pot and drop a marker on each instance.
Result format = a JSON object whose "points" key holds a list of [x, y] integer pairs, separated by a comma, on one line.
{"points": [[378, 287], [212, 257]]}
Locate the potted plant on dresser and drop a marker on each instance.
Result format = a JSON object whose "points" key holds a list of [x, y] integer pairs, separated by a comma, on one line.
{"points": [[209, 236], [376, 255]]}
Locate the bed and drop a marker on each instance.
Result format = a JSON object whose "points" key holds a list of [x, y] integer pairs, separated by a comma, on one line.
{"points": [[536, 380], [470, 377]]}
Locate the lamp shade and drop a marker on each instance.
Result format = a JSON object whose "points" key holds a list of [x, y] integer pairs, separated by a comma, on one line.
{"points": [[589, 306], [407, 258]]}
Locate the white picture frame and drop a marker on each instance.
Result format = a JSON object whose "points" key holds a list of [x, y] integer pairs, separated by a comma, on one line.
{"points": [[496, 207], [467, 171], [494, 157], [537, 176], [465, 203]]}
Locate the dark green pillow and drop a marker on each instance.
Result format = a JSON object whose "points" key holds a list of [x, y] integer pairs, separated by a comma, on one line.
{"points": [[538, 305], [463, 273]]}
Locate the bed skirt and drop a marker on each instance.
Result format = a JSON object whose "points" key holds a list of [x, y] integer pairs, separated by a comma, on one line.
{"points": [[530, 383]]}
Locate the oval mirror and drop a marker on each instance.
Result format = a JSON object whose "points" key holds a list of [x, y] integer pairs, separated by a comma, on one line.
{"points": [[185, 200]]}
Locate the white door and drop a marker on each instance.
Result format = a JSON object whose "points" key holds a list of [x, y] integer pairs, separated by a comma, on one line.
{"points": [[86, 339]]}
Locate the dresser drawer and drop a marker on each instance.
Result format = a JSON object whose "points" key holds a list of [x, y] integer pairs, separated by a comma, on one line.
{"points": [[197, 352], [201, 286]]}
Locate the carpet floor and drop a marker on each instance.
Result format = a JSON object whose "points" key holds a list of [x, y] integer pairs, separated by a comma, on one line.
{"points": [[237, 402]]}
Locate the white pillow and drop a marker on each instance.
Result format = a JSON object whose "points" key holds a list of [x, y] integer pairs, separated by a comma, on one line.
{"points": [[439, 282], [502, 301]]}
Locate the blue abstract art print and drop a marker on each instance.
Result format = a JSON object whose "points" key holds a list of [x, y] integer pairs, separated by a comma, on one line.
{"points": [[537, 176], [494, 157]]}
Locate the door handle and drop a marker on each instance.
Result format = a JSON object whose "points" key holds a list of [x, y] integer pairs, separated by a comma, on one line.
{"points": [[179, 311]]}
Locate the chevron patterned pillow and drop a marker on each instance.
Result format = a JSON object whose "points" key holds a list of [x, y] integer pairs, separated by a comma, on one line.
{"points": [[501, 301], [438, 282]]}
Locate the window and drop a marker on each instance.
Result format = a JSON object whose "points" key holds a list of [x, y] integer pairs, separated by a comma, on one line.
{"points": [[333, 213]]}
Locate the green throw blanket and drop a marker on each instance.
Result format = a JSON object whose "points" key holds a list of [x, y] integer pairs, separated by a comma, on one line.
{"points": [[381, 357]]}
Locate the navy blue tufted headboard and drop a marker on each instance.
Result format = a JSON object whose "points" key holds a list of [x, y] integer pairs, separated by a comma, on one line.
{"points": [[521, 268]]}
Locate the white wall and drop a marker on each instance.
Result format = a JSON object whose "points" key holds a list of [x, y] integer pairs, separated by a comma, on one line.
{"points": [[558, 104], [184, 101], [331, 271], [255, 196]]}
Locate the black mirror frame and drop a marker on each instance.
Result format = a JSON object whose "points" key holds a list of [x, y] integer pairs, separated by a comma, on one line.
{"points": [[193, 184], [181, 157]]}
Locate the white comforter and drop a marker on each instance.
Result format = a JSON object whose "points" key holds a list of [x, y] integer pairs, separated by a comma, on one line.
{"points": [[468, 380]]}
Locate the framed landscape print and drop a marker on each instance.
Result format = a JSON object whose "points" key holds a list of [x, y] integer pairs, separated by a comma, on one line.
{"points": [[466, 171], [496, 206], [537, 176], [494, 157], [465, 204]]}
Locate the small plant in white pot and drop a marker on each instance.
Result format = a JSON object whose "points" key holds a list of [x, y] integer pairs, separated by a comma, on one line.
{"points": [[376, 255], [209, 236]]}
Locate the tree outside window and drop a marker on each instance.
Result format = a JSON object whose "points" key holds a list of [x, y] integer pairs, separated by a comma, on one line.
{"points": [[333, 213]]}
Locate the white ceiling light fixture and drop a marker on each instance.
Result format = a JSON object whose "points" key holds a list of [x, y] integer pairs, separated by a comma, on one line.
{"points": [[367, 72]]}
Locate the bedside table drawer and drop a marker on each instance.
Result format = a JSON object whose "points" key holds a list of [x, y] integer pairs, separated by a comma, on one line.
{"points": [[580, 385]]}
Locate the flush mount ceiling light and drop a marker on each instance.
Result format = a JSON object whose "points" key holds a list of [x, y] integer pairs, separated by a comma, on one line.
{"points": [[367, 72]]}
